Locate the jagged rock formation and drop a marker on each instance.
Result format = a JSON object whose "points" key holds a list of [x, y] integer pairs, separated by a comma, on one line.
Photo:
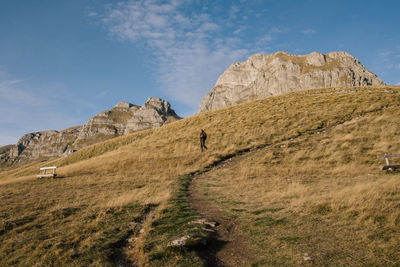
{"points": [[43, 144], [122, 119], [267, 75], [125, 118]]}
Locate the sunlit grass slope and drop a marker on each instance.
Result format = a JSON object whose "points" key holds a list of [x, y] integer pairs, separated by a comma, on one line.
{"points": [[321, 195], [81, 217]]}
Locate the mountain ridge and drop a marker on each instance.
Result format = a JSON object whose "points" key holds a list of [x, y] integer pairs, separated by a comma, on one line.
{"points": [[264, 75], [122, 119]]}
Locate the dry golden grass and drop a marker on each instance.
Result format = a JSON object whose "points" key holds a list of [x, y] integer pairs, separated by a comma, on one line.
{"points": [[71, 220], [321, 194]]}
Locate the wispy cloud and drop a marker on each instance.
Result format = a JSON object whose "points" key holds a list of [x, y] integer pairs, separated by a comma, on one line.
{"points": [[11, 93], [385, 54], [390, 59], [92, 14], [239, 30], [263, 43], [188, 48], [27, 109], [190, 45], [309, 31], [276, 30], [388, 64], [102, 94]]}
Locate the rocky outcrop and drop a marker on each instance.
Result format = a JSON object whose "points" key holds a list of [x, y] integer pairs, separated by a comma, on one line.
{"points": [[43, 144], [123, 118], [5, 152], [267, 75]]}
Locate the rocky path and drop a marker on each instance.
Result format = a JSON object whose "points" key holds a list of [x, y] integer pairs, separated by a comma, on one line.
{"points": [[226, 246]]}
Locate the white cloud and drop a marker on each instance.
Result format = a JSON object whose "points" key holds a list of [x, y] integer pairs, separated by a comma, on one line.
{"points": [[233, 12], [102, 94], [189, 53], [266, 39], [276, 30], [239, 30], [309, 31], [11, 93], [188, 44], [387, 64], [390, 59], [25, 108], [385, 54], [92, 14]]}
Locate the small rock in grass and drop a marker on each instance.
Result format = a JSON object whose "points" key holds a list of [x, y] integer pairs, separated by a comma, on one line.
{"points": [[199, 221], [211, 224], [203, 221], [180, 241], [306, 257]]}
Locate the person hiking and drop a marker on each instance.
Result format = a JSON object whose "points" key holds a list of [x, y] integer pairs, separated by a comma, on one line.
{"points": [[203, 137]]}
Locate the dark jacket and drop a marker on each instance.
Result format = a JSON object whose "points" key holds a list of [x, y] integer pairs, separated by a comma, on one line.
{"points": [[203, 135]]}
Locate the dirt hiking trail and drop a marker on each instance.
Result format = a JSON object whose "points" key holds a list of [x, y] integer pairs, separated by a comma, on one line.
{"points": [[226, 247]]}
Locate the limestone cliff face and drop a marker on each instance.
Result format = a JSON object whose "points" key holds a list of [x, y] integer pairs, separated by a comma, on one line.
{"points": [[268, 75], [43, 144], [125, 118], [122, 119]]}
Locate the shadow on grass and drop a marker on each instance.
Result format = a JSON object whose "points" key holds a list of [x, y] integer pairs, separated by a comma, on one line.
{"points": [[209, 252]]}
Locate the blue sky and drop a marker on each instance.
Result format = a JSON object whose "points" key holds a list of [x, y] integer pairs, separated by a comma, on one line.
{"points": [[62, 62]]}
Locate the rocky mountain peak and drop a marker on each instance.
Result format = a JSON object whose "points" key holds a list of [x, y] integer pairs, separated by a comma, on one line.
{"points": [[263, 75], [316, 59], [123, 105], [161, 106], [122, 119]]}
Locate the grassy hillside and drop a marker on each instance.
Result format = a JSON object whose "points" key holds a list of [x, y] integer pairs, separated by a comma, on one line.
{"points": [[315, 172], [320, 195]]}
